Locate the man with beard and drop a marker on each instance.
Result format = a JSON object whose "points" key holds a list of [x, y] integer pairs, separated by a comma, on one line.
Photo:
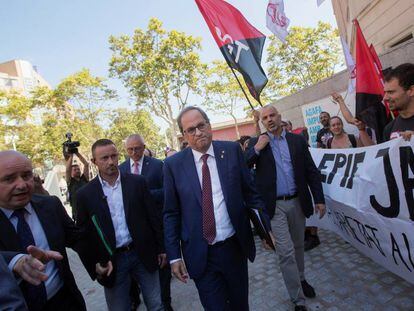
{"points": [[285, 177], [324, 134], [399, 92]]}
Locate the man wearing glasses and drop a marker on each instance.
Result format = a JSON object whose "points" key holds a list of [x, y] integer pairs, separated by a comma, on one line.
{"points": [[208, 194], [151, 169]]}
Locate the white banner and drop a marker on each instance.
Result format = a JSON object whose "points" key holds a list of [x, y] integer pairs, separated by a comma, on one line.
{"points": [[369, 199]]}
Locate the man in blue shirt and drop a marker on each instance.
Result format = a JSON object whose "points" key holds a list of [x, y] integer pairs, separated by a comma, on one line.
{"points": [[285, 172]]}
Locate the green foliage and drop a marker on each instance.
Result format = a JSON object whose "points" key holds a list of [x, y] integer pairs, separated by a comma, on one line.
{"points": [[125, 123], [222, 93], [38, 122], [309, 56], [159, 68]]}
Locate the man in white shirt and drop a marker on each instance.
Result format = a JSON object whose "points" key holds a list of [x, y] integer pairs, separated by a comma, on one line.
{"points": [[208, 194], [118, 210]]}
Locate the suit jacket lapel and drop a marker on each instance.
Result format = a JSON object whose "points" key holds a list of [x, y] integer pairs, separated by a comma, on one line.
{"points": [[125, 191], [221, 161], [101, 210], [292, 149], [145, 166], [47, 221], [8, 236], [190, 170]]}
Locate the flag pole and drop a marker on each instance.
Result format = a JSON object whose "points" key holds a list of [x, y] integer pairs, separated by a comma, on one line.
{"points": [[244, 92]]}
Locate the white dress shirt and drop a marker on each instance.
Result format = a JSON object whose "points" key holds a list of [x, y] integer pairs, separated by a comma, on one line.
{"points": [[54, 282], [224, 227], [116, 208], [132, 164]]}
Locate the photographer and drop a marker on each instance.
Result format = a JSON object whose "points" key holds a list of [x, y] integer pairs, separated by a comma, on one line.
{"points": [[75, 179]]}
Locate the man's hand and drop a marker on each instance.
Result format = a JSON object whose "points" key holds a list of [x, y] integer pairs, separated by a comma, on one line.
{"points": [[407, 135], [31, 267], [103, 271], [320, 209], [266, 245], [162, 260], [179, 271], [262, 142]]}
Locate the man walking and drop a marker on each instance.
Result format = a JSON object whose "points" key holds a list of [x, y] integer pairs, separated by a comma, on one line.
{"points": [[130, 241], [151, 169], [285, 172], [208, 194]]}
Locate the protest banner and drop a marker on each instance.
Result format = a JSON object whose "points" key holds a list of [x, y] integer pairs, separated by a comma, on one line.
{"points": [[369, 198]]}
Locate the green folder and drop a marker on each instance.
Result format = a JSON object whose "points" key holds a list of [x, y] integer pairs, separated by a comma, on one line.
{"points": [[102, 235]]}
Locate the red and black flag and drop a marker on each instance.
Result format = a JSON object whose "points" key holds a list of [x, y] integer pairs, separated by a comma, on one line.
{"points": [[369, 87], [240, 43]]}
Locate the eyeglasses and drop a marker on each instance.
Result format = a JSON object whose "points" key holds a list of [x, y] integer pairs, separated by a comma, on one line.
{"points": [[135, 149], [192, 130]]}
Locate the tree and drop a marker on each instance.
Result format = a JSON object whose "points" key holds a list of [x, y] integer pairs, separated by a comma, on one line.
{"points": [[309, 56], [125, 123], [159, 69], [37, 123], [222, 93]]}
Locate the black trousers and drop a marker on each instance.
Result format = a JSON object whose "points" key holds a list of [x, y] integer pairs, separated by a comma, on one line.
{"points": [[65, 300]]}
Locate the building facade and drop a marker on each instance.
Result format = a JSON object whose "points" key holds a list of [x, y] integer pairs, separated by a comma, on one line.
{"points": [[20, 75]]}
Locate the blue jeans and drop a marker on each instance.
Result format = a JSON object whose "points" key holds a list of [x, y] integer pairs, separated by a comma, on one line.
{"points": [[129, 266]]}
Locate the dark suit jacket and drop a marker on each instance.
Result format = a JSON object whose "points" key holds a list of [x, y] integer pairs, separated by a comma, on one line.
{"points": [[306, 174], [60, 231], [11, 297], [144, 222], [152, 171], [182, 207]]}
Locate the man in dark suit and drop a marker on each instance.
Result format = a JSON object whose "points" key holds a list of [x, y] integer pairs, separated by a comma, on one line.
{"points": [[151, 169], [132, 241], [285, 172], [208, 191], [27, 220]]}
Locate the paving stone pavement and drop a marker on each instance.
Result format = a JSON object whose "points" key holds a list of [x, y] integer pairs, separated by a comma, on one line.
{"points": [[343, 278]]}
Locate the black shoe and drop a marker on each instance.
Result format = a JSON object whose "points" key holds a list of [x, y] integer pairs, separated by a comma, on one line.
{"points": [[308, 290], [300, 308], [312, 242]]}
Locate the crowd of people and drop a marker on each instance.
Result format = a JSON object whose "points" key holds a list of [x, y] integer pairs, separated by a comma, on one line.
{"points": [[137, 223]]}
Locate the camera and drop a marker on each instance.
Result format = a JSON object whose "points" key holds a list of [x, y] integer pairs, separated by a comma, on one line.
{"points": [[69, 146]]}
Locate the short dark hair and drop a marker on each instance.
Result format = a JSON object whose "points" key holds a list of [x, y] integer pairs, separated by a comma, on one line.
{"points": [[404, 73], [187, 109], [325, 113], [100, 143]]}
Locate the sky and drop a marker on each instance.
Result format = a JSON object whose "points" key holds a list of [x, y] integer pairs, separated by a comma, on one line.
{"points": [[62, 37]]}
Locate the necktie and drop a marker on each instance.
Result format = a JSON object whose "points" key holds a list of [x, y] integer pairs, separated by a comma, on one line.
{"points": [[136, 166], [35, 296], [209, 223]]}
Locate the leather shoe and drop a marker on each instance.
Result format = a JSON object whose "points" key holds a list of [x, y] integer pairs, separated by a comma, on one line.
{"points": [[300, 308], [308, 290]]}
